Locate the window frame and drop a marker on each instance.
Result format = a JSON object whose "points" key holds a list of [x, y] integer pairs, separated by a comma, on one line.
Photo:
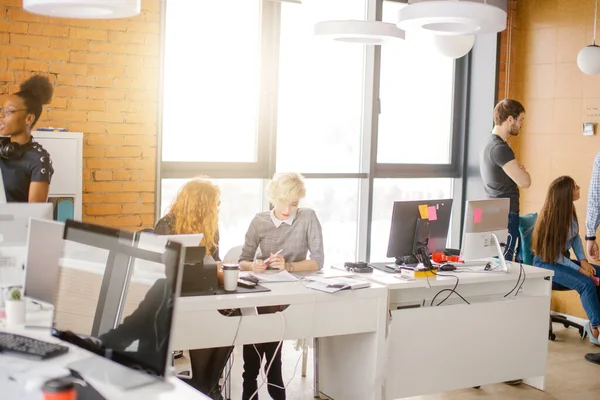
{"points": [[370, 169]]}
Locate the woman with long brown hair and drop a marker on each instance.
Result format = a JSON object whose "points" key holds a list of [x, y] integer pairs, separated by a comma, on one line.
{"points": [[556, 232], [196, 210]]}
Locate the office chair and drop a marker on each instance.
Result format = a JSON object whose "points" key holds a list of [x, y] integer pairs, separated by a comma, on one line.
{"points": [[526, 225]]}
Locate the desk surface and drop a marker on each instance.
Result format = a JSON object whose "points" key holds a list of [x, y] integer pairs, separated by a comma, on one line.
{"points": [[170, 389], [281, 293], [393, 282]]}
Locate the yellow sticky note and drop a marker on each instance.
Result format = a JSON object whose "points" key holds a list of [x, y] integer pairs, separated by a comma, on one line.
{"points": [[424, 211]]}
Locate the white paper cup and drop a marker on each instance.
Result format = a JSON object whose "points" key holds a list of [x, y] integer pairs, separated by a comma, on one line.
{"points": [[15, 312], [231, 273]]}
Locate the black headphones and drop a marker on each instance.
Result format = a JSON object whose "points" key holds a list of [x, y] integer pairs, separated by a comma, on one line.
{"points": [[12, 150]]}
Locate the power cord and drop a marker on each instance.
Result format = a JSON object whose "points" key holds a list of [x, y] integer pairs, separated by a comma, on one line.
{"points": [[272, 358], [517, 287], [453, 290], [231, 312]]}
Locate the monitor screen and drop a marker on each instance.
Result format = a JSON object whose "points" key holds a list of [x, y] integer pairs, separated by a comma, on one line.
{"points": [[482, 219], [434, 220], [109, 306], [14, 221]]}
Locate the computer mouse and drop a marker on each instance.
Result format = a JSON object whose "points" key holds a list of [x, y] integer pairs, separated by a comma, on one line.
{"points": [[447, 267]]}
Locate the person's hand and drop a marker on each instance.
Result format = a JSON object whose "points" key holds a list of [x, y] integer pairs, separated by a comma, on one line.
{"points": [[277, 261], [586, 272], [592, 249], [259, 266], [588, 267]]}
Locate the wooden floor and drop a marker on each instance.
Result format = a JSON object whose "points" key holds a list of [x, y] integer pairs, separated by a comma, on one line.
{"points": [[569, 376]]}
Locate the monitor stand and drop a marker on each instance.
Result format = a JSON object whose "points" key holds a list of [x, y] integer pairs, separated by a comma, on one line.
{"points": [[503, 265], [112, 373]]}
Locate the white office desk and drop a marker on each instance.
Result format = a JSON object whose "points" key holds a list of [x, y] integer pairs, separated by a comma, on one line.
{"points": [[350, 326], [170, 389], [455, 345]]}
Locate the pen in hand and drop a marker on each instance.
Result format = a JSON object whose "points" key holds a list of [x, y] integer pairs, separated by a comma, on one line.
{"points": [[269, 258]]}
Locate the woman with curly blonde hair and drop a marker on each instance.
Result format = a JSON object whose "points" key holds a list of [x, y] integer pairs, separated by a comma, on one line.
{"points": [[194, 210]]}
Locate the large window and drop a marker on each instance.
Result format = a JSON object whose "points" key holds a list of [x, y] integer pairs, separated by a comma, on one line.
{"points": [[320, 91], [269, 96], [416, 92], [212, 51]]}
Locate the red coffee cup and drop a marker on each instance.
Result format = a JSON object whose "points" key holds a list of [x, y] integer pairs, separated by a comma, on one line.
{"points": [[59, 389], [596, 280]]}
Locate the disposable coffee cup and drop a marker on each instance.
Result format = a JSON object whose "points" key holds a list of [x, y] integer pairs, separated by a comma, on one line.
{"points": [[231, 273]]}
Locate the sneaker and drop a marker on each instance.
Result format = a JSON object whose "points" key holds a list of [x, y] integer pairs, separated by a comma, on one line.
{"points": [[588, 330]]}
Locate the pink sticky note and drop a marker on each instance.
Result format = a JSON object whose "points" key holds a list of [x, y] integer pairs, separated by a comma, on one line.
{"points": [[477, 213], [432, 213]]}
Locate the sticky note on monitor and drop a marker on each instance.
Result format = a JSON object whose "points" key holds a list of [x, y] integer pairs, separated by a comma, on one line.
{"points": [[477, 213], [432, 213], [423, 211]]}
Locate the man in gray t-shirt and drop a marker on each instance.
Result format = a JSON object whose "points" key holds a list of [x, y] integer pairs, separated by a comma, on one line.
{"points": [[502, 175]]}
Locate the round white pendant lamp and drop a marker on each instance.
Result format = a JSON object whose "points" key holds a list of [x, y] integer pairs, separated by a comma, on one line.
{"points": [[453, 46], [454, 17], [588, 59], [358, 31], [85, 9]]}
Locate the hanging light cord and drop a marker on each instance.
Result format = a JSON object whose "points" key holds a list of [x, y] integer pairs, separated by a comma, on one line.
{"points": [[595, 20]]}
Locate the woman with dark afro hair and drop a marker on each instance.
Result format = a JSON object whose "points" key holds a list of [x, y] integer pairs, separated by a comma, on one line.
{"points": [[25, 165]]}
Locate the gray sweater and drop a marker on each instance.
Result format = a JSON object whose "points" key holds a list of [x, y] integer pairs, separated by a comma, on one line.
{"points": [[302, 236]]}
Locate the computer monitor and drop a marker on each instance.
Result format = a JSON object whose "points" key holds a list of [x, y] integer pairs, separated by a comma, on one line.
{"points": [[14, 221], [14, 226], [44, 250], [485, 227], [425, 220], [105, 306]]}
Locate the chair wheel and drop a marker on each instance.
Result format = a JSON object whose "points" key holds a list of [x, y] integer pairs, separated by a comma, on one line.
{"points": [[476, 387], [552, 337]]}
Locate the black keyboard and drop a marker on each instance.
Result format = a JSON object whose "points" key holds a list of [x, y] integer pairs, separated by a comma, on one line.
{"points": [[25, 346]]}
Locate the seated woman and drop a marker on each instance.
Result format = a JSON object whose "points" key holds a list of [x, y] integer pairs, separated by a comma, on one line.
{"points": [[293, 232], [556, 232], [196, 210]]}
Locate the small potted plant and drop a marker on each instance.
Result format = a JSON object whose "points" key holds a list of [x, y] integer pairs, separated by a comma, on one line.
{"points": [[14, 306]]}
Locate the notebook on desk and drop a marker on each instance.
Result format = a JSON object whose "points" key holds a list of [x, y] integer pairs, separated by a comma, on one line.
{"points": [[333, 285]]}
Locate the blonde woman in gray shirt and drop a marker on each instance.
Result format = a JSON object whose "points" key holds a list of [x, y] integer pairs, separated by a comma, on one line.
{"points": [[292, 238]]}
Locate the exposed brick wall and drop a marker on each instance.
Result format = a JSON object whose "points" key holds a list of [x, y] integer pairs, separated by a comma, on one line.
{"points": [[508, 39], [106, 77]]}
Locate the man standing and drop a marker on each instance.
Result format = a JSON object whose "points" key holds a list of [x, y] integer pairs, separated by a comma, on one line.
{"points": [[593, 210], [501, 173]]}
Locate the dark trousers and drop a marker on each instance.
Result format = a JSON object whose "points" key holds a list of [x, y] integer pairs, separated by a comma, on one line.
{"points": [[253, 355], [512, 252], [207, 366]]}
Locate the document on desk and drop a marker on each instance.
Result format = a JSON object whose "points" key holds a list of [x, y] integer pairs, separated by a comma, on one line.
{"points": [[333, 285], [271, 277]]}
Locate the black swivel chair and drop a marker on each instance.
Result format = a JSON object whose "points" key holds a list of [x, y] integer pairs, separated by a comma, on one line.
{"points": [[561, 318]]}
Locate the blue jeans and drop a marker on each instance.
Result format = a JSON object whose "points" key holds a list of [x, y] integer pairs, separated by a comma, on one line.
{"points": [[575, 280], [513, 231]]}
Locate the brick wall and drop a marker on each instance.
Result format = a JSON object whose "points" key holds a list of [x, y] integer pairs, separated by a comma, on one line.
{"points": [[106, 77], [508, 38]]}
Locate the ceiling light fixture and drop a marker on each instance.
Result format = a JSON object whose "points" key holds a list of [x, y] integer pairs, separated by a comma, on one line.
{"points": [[588, 59], [85, 9], [359, 31], [453, 46], [454, 17]]}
